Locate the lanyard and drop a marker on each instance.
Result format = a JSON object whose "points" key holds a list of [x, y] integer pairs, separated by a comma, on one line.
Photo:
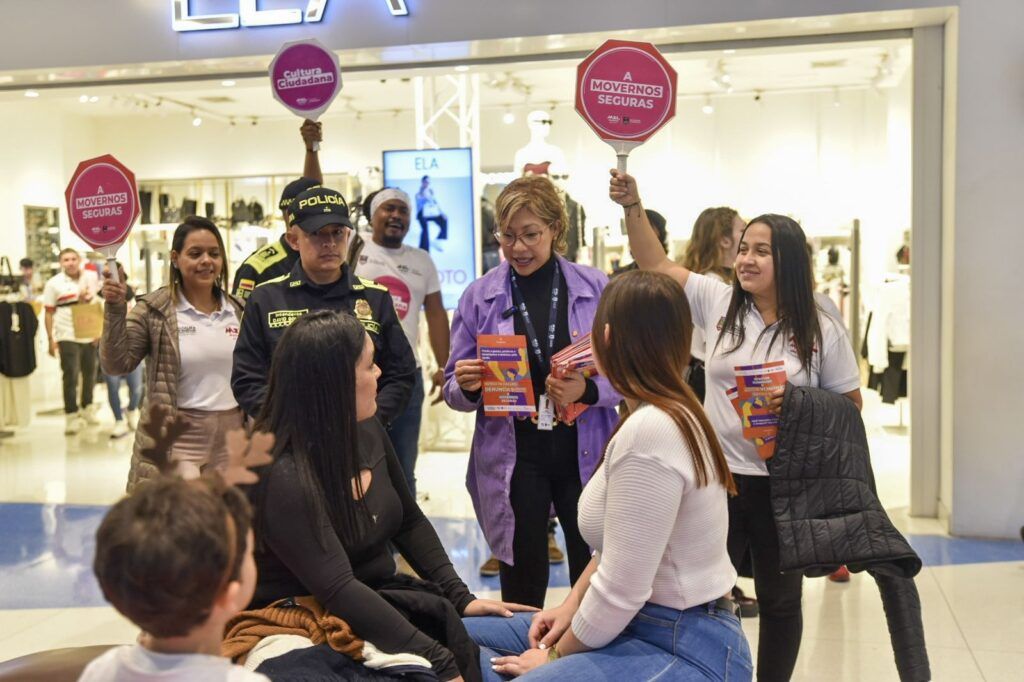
{"points": [[531, 333]]}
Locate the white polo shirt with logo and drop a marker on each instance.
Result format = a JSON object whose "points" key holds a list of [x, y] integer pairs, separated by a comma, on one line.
{"points": [[409, 275], [206, 344], [61, 293], [834, 370]]}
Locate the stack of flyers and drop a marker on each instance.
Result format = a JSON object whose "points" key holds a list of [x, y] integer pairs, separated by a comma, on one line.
{"points": [[751, 396], [507, 388], [578, 357]]}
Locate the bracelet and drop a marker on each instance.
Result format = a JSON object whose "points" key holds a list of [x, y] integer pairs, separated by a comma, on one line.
{"points": [[553, 654], [635, 203]]}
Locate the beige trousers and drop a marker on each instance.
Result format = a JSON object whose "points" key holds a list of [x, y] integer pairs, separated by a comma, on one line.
{"points": [[203, 444]]}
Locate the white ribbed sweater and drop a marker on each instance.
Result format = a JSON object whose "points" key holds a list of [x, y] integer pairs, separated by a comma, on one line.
{"points": [[659, 537]]}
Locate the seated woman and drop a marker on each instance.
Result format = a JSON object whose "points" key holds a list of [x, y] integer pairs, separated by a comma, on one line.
{"points": [[652, 603], [335, 496]]}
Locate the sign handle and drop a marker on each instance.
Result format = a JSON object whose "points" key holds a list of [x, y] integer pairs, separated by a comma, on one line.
{"points": [[316, 146], [111, 253], [622, 162]]}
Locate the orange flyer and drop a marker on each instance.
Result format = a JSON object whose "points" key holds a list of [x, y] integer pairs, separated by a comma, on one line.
{"points": [[507, 388], [754, 387]]}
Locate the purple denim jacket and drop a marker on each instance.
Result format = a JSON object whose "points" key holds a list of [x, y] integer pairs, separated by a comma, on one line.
{"points": [[493, 454]]}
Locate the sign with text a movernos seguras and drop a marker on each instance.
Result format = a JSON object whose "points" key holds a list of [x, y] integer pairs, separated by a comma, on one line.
{"points": [[625, 91], [305, 77], [103, 202]]}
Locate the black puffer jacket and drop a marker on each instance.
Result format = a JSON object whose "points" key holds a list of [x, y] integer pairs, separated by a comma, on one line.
{"points": [[828, 514]]}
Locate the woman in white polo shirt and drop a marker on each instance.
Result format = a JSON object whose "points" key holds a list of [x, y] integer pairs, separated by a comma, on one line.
{"points": [[186, 332], [768, 313]]}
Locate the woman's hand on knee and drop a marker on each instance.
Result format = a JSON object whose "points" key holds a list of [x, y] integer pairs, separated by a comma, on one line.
{"points": [[521, 664]]}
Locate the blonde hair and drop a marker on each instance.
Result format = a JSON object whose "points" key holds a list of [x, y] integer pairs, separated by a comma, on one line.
{"points": [[702, 253], [538, 194]]}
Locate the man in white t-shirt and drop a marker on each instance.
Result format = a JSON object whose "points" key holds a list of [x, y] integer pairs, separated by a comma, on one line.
{"points": [[72, 286], [411, 277]]}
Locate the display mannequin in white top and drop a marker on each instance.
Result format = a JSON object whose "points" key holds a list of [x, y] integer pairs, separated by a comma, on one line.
{"points": [[538, 151]]}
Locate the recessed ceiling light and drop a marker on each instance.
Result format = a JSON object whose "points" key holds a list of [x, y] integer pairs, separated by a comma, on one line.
{"points": [[83, 99], [31, 93], [228, 83], [462, 68], [708, 107], [508, 118], [94, 99]]}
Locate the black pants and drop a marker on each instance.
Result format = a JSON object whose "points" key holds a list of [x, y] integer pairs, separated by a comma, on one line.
{"points": [[77, 359], [531, 494], [424, 221], [752, 526]]}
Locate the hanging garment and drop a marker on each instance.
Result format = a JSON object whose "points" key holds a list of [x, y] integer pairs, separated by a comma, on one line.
{"points": [[18, 326]]}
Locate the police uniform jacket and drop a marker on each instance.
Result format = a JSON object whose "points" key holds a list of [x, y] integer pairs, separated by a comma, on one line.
{"points": [[274, 305], [264, 264]]}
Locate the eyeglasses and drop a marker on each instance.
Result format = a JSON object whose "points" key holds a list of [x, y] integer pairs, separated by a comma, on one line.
{"points": [[527, 238]]}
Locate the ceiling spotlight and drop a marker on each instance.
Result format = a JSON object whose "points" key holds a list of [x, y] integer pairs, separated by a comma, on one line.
{"points": [[94, 99], [708, 107], [83, 99], [462, 68], [31, 93], [255, 121], [196, 119], [835, 98], [228, 83], [508, 118], [231, 122]]}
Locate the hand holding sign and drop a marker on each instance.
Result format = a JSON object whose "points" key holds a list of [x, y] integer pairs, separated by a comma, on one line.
{"points": [[305, 77], [103, 204], [626, 92]]}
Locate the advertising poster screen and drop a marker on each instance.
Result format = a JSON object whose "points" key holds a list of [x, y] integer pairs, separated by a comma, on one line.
{"points": [[440, 183]]}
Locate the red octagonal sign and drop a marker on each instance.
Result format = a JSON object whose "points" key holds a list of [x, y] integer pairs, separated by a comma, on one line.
{"points": [[626, 91], [103, 202]]}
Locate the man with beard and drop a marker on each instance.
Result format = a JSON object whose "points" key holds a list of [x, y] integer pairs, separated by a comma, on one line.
{"points": [[411, 277]]}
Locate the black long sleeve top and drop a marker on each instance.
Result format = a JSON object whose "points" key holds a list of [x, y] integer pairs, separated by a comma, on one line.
{"points": [[292, 560]]}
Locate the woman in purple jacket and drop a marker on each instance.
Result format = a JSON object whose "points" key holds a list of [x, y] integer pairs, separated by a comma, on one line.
{"points": [[518, 470]]}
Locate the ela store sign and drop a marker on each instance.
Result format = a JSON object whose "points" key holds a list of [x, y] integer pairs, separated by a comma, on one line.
{"points": [[248, 15]]}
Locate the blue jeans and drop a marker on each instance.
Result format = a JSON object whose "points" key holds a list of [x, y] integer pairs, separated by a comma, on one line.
{"points": [[700, 643], [134, 381], [405, 433]]}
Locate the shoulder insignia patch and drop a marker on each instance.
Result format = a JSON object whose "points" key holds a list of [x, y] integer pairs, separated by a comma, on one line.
{"points": [[275, 280], [370, 284]]}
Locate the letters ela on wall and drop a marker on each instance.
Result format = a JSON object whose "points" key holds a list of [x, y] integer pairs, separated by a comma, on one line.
{"points": [[249, 15]]}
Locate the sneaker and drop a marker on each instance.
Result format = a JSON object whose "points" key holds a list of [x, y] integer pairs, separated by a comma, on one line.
{"points": [[555, 554], [133, 419], [72, 424], [748, 605], [491, 567], [88, 413], [840, 576], [119, 430]]}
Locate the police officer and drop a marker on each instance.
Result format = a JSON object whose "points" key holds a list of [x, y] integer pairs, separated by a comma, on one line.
{"points": [[278, 258], [321, 280]]}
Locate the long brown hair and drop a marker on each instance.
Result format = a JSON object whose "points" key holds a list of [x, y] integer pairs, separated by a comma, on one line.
{"points": [[711, 226], [645, 357]]}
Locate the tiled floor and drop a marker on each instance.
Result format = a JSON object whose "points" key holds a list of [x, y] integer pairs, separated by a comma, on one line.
{"points": [[53, 491]]}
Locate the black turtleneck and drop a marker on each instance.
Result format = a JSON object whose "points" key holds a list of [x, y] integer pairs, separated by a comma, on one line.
{"points": [[556, 449]]}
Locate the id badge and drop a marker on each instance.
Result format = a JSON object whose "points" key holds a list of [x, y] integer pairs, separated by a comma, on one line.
{"points": [[545, 414]]}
